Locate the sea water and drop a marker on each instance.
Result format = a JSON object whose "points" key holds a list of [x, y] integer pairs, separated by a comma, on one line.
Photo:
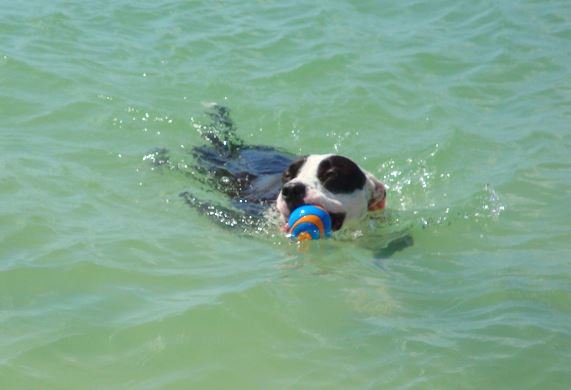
{"points": [[109, 280]]}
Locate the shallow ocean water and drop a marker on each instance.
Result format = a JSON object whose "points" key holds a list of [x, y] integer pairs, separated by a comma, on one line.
{"points": [[108, 280]]}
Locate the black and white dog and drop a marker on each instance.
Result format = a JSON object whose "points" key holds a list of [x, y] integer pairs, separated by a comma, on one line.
{"points": [[335, 183], [262, 178]]}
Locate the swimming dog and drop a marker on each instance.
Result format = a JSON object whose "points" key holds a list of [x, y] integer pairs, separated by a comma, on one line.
{"points": [[260, 178]]}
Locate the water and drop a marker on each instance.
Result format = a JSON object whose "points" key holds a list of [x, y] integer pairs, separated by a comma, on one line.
{"points": [[108, 280]]}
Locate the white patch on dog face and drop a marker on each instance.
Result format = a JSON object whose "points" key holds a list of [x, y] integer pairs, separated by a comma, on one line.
{"points": [[335, 183]]}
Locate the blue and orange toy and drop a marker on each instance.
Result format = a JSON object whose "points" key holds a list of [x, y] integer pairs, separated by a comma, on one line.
{"points": [[309, 222]]}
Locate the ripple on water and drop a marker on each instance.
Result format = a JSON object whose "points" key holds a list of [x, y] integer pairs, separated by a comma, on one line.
{"points": [[107, 277]]}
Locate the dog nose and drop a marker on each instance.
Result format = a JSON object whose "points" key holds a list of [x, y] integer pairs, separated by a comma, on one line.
{"points": [[293, 192]]}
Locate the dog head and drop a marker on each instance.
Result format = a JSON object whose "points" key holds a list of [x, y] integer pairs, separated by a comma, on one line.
{"points": [[334, 183]]}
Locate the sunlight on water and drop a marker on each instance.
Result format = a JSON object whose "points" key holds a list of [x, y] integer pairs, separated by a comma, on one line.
{"points": [[462, 109]]}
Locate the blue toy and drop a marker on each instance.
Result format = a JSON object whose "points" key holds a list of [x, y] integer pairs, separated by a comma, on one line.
{"points": [[309, 222]]}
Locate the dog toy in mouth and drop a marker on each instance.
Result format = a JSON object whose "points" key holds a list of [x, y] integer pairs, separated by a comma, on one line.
{"points": [[309, 222]]}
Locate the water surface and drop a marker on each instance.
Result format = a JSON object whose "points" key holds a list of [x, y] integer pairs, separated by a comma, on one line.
{"points": [[108, 280]]}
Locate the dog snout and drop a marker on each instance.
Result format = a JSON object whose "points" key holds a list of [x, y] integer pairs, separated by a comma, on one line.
{"points": [[293, 193]]}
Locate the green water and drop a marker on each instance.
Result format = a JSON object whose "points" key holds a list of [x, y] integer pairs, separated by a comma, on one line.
{"points": [[108, 280]]}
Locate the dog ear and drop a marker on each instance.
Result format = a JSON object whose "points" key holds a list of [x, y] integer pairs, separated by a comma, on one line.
{"points": [[378, 193]]}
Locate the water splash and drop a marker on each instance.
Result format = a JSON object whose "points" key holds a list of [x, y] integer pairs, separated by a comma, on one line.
{"points": [[340, 138], [419, 190]]}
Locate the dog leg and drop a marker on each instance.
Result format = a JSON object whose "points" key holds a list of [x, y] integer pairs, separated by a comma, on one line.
{"points": [[221, 132], [394, 246], [223, 216]]}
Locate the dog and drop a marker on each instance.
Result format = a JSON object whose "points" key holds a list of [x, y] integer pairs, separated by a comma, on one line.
{"points": [[333, 182], [260, 179]]}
